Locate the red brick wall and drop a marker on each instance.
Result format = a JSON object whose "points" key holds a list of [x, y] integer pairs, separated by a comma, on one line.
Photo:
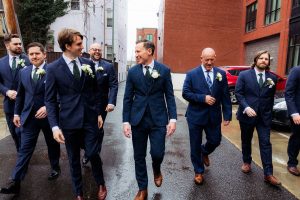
{"points": [[191, 25], [143, 32]]}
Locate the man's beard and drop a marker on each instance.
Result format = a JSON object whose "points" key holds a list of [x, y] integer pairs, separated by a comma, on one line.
{"points": [[16, 52], [94, 59], [262, 67]]}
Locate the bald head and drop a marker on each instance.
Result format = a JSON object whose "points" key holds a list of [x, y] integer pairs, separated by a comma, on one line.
{"points": [[95, 51], [208, 58]]}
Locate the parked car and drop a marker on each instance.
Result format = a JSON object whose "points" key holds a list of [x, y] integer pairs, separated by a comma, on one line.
{"points": [[280, 113], [232, 73]]}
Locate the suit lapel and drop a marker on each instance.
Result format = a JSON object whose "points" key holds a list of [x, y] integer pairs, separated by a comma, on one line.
{"points": [[140, 73], [69, 74], [7, 68], [155, 67], [83, 75], [255, 83], [28, 79], [202, 77]]}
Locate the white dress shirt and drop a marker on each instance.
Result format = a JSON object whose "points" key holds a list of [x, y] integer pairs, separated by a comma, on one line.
{"points": [[257, 74], [40, 67], [70, 64], [11, 60], [211, 74]]}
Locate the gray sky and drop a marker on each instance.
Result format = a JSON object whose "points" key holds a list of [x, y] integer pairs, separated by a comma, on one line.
{"points": [[141, 14]]}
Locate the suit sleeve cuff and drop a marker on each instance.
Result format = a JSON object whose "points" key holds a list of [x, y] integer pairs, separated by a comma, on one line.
{"points": [[55, 128], [126, 123], [173, 120]]}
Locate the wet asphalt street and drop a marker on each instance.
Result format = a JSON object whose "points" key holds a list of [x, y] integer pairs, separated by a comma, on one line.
{"points": [[223, 179]]}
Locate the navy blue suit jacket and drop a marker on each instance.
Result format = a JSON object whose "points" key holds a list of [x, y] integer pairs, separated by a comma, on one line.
{"points": [[9, 82], [159, 96], [79, 101], [292, 91], [261, 100], [31, 96], [107, 80], [195, 88]]}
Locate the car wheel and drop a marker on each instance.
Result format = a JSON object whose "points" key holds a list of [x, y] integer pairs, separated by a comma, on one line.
{"points": [[232, 96]]}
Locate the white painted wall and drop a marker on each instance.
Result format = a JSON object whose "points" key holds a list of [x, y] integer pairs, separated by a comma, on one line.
{"points": [[178, 80]]}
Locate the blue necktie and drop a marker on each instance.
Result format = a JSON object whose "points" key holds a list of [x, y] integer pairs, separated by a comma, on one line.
{"points": [[208, 80]]}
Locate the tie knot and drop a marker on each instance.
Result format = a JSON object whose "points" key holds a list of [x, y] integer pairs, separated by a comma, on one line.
{"points": [[260, 74], [14, 58], [74, 62], [147, 67]]}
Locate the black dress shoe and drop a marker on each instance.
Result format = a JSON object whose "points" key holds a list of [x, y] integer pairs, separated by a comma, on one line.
{"points": [[54, 174], [85, 161], [12, 188]]}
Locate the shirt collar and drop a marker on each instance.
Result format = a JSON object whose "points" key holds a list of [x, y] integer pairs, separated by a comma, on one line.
{"points": [[204, 70], [40, 67], [258, 72], [151, 65], [68, 60], [11, 56]]}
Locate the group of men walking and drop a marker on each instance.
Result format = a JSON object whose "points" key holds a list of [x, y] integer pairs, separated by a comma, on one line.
{"points": [[69, 98]]}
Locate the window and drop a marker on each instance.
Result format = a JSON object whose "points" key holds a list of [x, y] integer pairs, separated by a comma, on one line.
{"points": [[296, 3], [109, 52], [272, 11], [251, 17], [294, 52], [1, 5], [149, 37], [75, 4], [109, 19], [94, 8]]}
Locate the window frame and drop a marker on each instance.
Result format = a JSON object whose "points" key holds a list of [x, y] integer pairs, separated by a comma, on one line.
{"points": [[75, 4], [251, 14], [272, 11]]}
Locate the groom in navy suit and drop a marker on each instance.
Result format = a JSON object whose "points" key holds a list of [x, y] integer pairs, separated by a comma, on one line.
{"points": [[78, 119], [10, 66], [31, 114], [292, 97], [149, 111], [206, 90], [255, 91]]}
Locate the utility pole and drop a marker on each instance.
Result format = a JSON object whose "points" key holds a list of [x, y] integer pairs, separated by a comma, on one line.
{"points": [[10, 16]]}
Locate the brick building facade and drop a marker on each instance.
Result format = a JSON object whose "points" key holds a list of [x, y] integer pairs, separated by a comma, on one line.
{"points": [[235, 29], [149, 34]]}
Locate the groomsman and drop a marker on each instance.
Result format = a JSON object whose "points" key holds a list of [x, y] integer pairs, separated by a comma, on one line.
{"points": [[78, 118], [292, 97], [149, 111], [255, 90], [206, 90], [31, 114], [108, 82], [10, 66]]}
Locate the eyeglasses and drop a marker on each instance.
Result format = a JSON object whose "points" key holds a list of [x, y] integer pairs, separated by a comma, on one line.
{"points": [[96, 49]]}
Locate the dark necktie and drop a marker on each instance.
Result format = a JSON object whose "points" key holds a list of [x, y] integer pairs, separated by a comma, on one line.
{"points": [[14, 66], [76, 72], [208, 80], [148, 75], [260, 80], [35, 76]]}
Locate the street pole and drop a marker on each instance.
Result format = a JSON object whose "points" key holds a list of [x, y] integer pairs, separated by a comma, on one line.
{"points": [[10, 16]]}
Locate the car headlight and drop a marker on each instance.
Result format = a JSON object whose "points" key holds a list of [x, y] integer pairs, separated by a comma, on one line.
{"points": [[280, 106]]}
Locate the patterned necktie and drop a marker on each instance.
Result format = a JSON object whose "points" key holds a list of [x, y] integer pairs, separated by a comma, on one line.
{"points": [[208, 80], [76, 72], [35, 76], [14, 64], [260, 80]]}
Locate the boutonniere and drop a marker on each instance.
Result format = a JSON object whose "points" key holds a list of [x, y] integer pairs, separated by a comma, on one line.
{"points": [[270, 82], [219, 77], [99, 69], [41, 72], [155, 74], [21, 62], [87, 70]]}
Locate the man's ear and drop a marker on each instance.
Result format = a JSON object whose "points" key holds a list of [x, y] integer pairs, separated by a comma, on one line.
{"points": [[149, 51]]}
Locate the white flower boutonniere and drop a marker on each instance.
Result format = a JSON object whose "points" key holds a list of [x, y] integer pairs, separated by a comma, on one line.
{"points": [[270, 82], [219, 77], [87, 70], [21, 62], [41, 72], [99, 69], [155, 74]]}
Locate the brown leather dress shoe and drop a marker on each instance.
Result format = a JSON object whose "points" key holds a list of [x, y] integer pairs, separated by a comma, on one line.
{"points": [[158, 178], [294, 171], [206, 160], [141, 195], [246, 168], [198, 179], [79, 198], [102, 192], [272, 180]]}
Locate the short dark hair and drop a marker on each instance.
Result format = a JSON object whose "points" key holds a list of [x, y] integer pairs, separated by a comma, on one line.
{"points": [[147, 45], [8, 37], [36, 44], [66, 36], [258, 54]]}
